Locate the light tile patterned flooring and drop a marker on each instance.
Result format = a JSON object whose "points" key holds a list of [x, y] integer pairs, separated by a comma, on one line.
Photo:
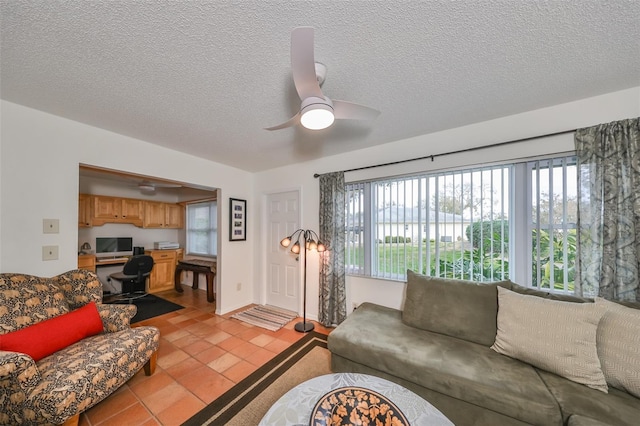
{"points": [[201, 356]]}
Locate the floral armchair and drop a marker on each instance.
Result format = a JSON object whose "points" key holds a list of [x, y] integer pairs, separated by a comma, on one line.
{"points": [[58, 387]]}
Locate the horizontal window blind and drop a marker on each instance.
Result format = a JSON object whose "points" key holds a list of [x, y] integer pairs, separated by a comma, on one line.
{"points": [[202, 228]]}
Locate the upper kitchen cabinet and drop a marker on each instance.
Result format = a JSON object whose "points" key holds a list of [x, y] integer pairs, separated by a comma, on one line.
{"points": [[84, 211], [163, 215], [96, 210], [116, 210]]}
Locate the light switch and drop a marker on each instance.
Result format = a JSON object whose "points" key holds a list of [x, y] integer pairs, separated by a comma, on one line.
{"points": [[49, 252], [50, 226]]}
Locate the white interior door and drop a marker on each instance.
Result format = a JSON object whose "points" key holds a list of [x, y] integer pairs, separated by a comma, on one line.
{"points": [[283, 269]]}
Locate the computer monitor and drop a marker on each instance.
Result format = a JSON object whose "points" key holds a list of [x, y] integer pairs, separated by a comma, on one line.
{"points": [[114, 246]]}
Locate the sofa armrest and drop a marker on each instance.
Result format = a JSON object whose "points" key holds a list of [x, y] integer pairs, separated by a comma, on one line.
{"points": [[18, 376], [116, 317]]}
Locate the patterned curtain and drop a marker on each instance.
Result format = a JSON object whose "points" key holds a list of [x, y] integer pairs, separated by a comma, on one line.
{"points": [[333, 305], [608, 157]]}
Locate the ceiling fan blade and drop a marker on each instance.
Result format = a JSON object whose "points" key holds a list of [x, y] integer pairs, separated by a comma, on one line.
{"points": [[348, 110], [147, 188], [151, 186], [291, 122], [303, 64]]}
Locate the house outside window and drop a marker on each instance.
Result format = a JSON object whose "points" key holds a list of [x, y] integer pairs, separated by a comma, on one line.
{"points": [[202, 231], [461, 224]]}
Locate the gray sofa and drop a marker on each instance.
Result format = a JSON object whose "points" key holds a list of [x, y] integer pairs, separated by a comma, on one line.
{"points": [[439, 347]]}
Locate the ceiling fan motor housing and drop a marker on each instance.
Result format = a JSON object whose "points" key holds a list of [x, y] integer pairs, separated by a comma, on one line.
{"points": [[312, 101], [321, 73]]}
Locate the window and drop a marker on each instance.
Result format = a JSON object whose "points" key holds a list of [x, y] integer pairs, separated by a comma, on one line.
{"points": [[554, 215], [456, 224], [202, 228]]}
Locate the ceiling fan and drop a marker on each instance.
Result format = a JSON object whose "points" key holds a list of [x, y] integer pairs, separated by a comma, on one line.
{"points": [[149, 187], [316, 111]]}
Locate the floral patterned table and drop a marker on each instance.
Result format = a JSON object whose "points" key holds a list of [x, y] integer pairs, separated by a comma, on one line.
{"points": [[343, 398]]}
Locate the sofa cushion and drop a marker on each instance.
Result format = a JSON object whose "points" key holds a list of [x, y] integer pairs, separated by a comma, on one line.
{"points": [[615, 408], [458, 308], [618, 340], [578, 420], [83, 374], [49, 336], [375, 336], [556, 336], [26, 300], [79, 287]]}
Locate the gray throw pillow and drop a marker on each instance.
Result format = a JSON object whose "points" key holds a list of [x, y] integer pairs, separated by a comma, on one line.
{"points": [[458, 308], [556, 336], [618, 341]]}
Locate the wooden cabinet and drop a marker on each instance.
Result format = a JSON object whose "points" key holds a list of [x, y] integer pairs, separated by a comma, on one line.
{"points": [[163, 215], [105, 209], [131, 211], [153, 214], [87, 261], [164, 268], [174, 216], [96, 210], [116, 210], [84, 211]]}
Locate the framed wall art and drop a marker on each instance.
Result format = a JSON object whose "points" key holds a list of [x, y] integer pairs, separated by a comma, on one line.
{"points": [[237, 219]]}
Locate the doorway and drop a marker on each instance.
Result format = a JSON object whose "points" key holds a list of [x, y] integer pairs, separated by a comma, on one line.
{"points": [[282, 266], [158, 202]]}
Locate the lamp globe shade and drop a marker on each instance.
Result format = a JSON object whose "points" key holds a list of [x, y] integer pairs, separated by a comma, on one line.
{"points": [[285, 242]]}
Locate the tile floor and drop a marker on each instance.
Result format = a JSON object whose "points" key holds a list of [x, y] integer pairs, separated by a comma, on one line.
{"points": [[201, 356]]}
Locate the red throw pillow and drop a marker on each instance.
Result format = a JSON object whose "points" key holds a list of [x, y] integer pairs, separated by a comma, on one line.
{"points": [[49, 336]]}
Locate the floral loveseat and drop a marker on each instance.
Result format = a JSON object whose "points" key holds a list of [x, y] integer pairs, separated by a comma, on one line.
{"points": [[55, 388]]}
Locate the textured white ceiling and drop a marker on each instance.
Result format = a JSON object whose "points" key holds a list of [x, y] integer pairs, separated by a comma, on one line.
{"points": [[207, 77]]}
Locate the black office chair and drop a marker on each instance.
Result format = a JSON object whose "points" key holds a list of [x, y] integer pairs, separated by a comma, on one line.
{"points": [[134, 277]]}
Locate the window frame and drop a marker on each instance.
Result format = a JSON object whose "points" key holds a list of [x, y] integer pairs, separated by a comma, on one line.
{"points": [[212, 229], [519, 204]]}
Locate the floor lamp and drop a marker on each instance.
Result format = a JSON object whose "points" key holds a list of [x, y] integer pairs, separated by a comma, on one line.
{"points": [[310, 241]]}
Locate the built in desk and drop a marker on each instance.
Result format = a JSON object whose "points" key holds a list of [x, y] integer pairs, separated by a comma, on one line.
{"points": [[90, 262], [197, 266]]}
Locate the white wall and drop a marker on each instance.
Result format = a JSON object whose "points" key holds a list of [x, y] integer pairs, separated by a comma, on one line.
{"points": [[583, 113], [39, 157], [40, 154]]}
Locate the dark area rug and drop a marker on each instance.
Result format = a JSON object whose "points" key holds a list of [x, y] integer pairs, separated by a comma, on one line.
{"points": [[149, 306]]}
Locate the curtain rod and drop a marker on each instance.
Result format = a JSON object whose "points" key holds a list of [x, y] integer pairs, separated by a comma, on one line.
{"points": [[433, 156]]}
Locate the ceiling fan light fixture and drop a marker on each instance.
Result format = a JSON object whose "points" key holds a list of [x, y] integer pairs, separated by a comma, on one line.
{"points": [[316, 113]]}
